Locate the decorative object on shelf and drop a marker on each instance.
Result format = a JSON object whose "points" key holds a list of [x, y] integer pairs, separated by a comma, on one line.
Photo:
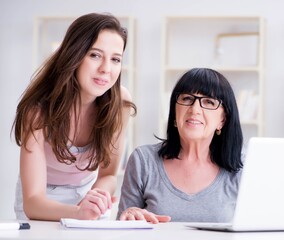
{"points": [[237, 49]]}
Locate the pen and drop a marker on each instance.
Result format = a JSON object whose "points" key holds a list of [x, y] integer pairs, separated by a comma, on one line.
{"points": [[14, 226]]}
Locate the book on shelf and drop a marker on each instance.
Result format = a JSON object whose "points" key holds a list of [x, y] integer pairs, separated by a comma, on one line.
{"points": [[247, 102]]}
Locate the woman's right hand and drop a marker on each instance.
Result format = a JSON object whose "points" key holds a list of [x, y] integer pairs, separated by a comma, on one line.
{"points": [[134, 213], [94, 204]]}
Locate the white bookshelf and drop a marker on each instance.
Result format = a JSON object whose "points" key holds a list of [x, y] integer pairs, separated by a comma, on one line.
{"points": [[49, 31], [232, 45]]}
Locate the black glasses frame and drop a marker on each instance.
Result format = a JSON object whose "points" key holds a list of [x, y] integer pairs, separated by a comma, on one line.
{"points": [[199, 99]]}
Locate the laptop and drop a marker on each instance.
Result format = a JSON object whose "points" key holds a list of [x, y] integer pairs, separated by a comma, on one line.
{"points": [[260, 202]]}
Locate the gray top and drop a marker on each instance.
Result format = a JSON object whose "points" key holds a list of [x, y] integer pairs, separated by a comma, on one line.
{"points": [[146, 185]]}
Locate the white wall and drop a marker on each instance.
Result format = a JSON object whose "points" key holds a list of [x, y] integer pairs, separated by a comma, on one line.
{"points": [[16, 39]]}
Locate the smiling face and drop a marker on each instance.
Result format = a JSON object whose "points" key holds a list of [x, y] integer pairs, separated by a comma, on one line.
{"points": [[198, 124], [101, 66]]}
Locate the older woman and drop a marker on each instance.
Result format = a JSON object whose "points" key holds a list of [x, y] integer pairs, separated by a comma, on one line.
{"points": [[192, 175]]}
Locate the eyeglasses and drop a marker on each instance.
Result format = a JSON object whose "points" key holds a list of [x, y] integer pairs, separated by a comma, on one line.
{"points": [[205, 102]]}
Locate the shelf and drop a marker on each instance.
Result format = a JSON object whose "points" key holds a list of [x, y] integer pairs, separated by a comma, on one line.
{"points": [[218, 68], [232, 45]]}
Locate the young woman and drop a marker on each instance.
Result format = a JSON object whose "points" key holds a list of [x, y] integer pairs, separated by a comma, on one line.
{"points": [[70, 125], [193, 175]]}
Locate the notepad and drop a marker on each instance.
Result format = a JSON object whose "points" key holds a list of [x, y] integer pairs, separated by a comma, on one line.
{"points": [[110, 224]]}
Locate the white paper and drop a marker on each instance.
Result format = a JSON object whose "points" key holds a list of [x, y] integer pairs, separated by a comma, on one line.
{"points": [[111, 224]]}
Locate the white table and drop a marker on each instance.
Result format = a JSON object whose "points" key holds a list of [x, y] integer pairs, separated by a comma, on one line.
{"points": [[163, 231]]}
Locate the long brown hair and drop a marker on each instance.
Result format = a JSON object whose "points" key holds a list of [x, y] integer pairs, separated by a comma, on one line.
{"points": [[54, 89]]}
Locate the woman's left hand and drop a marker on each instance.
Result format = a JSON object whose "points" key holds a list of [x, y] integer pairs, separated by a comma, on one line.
{"points": [[134, 213]]}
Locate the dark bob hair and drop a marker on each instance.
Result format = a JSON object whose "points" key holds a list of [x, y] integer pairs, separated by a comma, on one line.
{"points": [[225, 149]]}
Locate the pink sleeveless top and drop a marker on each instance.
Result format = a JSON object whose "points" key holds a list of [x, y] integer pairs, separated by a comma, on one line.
{"points": [[64, 174]]}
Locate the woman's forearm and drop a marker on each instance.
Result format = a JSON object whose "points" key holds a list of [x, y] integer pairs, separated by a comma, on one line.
{"points": [[44, 209], [107, 183]]}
